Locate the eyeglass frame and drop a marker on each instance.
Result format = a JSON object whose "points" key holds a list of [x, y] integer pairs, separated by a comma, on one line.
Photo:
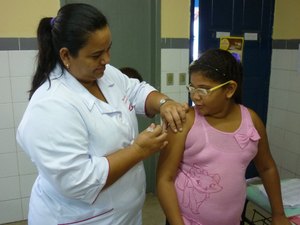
{"points": [[203, 91]]}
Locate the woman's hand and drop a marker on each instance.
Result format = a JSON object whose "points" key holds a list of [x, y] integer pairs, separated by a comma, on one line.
{"points": [[145, 144], [151, 140], [173, 114]]}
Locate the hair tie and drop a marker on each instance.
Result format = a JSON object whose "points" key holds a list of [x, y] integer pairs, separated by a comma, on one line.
{"points": [[52, 21], [213, 68], [236, 56]]}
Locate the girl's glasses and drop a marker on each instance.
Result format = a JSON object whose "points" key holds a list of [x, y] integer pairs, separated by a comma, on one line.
{"points": [[203, 91]]}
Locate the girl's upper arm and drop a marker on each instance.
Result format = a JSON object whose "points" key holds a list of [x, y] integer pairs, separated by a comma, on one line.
{"points": [[171, 156], [263, 156]]}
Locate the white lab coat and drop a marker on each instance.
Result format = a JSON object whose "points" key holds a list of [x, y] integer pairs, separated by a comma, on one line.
{"points": [[67, 133]]}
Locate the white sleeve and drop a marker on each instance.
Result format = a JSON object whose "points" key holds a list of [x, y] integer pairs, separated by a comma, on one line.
{"points": [[136, 91], [138, 96]]}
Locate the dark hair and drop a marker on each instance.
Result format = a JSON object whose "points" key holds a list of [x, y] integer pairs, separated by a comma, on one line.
{"points": [[132, 73], [71, 29], [220, 66]]}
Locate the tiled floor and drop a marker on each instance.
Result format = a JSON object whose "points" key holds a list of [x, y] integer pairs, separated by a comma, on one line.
{"points": [[152, 212]]}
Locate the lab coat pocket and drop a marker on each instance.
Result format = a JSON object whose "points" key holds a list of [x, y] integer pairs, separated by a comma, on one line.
{"points": [[80, 213]]}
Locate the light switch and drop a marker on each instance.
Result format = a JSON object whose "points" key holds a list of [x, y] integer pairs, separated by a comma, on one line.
{"points": [[182, 78], [170, 79]]}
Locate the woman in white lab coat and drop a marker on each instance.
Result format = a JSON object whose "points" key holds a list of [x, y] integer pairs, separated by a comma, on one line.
{"points": [[80, 127]]}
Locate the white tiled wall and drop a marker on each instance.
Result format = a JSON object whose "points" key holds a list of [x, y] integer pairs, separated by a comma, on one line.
{"points": [[175, 61], [17, 173], [283, 122]]}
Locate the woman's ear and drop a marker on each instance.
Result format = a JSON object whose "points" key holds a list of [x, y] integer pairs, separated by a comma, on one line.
{"points": [[65, 57], [231, 88]]}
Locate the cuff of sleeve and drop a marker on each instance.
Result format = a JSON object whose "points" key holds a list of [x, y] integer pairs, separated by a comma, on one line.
{"points": [[140, 107], [103, 170]]}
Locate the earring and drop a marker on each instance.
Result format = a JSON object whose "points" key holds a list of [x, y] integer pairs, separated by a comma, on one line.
{"points": [[68, 66]]}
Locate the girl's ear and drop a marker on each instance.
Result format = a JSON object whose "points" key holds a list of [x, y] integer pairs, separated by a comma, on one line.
{"points": [[231, 88], [65, 56]]}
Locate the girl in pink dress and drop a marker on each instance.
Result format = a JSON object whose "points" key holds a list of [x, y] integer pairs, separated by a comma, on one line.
{"points": [[201, 172]]}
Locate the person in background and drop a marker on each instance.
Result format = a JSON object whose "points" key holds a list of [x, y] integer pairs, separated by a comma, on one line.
{"points": [[201, 172], [131, 73], [80, 127]]}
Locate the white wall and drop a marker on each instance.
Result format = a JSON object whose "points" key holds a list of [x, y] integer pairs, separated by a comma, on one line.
{"points": [[283, 122], [175, 61], [17, 173]]}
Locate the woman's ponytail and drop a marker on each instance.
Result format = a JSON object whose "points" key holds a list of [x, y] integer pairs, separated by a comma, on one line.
{"points": [[47, 56]]}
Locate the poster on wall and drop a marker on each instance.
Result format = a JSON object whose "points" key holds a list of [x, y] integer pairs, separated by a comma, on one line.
{"points": [[234, 45]]}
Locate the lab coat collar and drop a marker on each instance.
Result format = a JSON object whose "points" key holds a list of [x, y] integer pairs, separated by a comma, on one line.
{"points": [[70, 81]]}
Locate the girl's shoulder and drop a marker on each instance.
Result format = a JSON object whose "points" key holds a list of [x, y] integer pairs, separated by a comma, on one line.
{"points": [[191, 112], [257, 122], [190, 118], [253, 114]]}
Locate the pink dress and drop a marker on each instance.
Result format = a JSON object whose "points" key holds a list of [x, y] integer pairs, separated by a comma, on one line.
{"points": [[210, 183]]}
